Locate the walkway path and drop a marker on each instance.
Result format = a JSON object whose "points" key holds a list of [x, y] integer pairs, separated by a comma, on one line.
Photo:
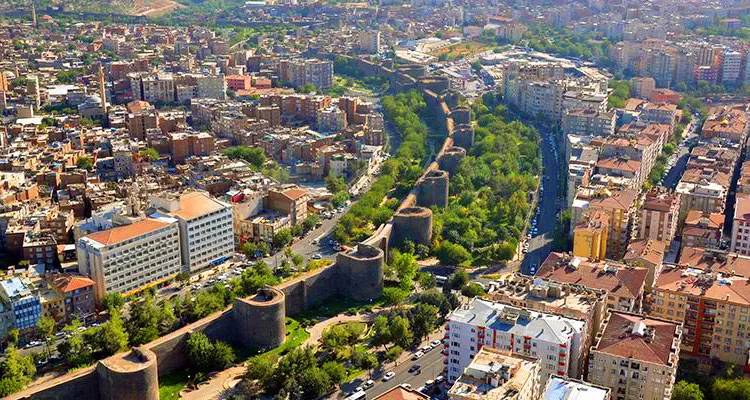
{"points": [[316, 331], [221, 384]]}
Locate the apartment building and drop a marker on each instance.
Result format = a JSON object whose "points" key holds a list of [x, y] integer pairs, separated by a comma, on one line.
{"points": [[705, 196], [649, 254], [78, 295], [23, 305], [496, 375], [663, 113], [561, 388], [741, 225], [623, 284], [588, 122], [659, 215], [590, 236], [129, 258], [726, 123], [537, 294], [715, 260], [731, 66], [205, 224], [291, 201], [618, 204], [642, 87], [636, 356], [302, 72], [369, 41], [713, 308], [702, 229], [556, 341], [211, 87]]}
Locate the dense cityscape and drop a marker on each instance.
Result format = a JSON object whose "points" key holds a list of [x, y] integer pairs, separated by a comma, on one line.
{"points": [[424, 199]]}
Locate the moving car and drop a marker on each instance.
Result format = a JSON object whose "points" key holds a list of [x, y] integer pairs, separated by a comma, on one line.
{"points": [[388, 376], [417, 355]]}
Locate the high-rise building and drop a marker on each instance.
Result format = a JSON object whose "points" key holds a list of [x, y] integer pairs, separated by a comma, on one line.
{"points": [[636, 356], [590, 236], [102, 88], [303, 72], [556, 341], [128, 258], [205, 224], [731, 66], [659, 215], [369, 41], [713, 309], [741, 225], [33, 91]]}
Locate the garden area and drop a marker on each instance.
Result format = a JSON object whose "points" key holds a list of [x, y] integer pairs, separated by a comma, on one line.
{"points": [[461, 50]]}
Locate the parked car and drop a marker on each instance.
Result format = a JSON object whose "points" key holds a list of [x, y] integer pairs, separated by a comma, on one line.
{"points": [[388, 376], [417, 355]]}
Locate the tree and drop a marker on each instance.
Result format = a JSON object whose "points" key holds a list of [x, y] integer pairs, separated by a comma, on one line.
{"points": [[364, 359], [458, 280], [143, 322], [426, 280], [684, 390], [405, 265], [315, 383], [222, 356], [394, 296], [86, 163], [282, 238], [472, 290], [401, 331], [13, 336], [422, 318], [45, 326], [310, 222], [381, 333], [150, 154], [436, 298], [393, 353], [200, 351], [253, 155], [111, 335], [16, 371], [339, 199], [731, 389], [113, 301], [336, 184], [335, 370], [452, 253], [260, 368], [74, 350], [307, 88]]}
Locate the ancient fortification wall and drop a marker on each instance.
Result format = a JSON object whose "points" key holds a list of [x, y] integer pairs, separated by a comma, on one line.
{"points": [[259, 321]]}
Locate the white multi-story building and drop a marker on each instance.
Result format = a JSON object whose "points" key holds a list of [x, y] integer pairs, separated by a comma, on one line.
{"points": [[741, 225], [559, 388], [559, 343], [497, 375], [731, 66], [206, 228], [128, 258]]}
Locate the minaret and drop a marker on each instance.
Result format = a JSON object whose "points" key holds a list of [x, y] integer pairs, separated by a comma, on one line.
{"points": [[33, 15], [102, 88]]}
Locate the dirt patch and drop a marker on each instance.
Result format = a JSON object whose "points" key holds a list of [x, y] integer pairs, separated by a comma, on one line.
{"points": [[154, 8]]}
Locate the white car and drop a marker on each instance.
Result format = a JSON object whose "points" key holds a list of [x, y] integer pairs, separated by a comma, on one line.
{"points": [[406, 386], [417, 355], [370, 383], [388, 376], [435, 343]]}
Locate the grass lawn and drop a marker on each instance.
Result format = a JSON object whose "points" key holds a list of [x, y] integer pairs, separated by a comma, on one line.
{"points": [[171, 385], [295, 336]]}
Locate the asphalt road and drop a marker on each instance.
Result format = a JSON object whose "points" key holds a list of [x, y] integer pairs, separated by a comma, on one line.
{"points": [[550, 201], [672, 177], [432, 367]]}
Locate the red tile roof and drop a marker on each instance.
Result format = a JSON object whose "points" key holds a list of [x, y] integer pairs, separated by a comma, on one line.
{"points": [[624, 282], [126, 232], [68, 283], [619, 339]]}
